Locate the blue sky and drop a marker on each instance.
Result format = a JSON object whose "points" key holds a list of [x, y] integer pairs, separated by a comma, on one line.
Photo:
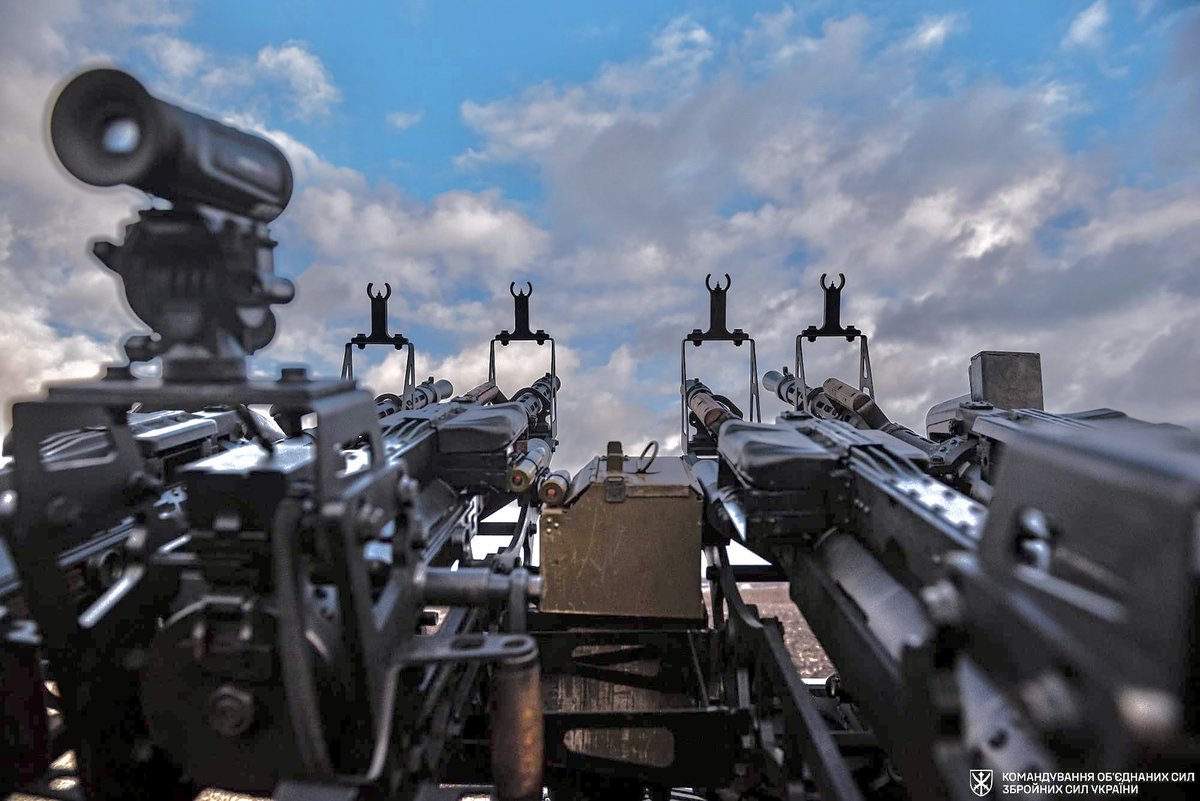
{"points": [[423, 60], [426, 59], [989, 175]]}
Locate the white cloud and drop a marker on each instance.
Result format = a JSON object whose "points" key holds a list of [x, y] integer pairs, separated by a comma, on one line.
{"points": [[682, 44], [313, 92], [177, 58], [403, 120], [938, 209], [933, 31], [1087, 29], [428, 252], [961, 221], [34, 353], [546, 116], [461, 229], [286, 79]]}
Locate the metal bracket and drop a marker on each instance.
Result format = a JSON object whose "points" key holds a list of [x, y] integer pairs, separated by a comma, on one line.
{"points": [[522, 333], [435, 648], [832, 328], [718, 331], [521, 318], [614, 489], [379, 336]]}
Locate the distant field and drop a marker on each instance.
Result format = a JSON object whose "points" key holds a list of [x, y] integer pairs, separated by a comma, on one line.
{"points": [[772, 601]]}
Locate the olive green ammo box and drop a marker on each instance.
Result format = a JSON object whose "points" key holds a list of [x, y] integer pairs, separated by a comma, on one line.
{"points": [[624, 542]]}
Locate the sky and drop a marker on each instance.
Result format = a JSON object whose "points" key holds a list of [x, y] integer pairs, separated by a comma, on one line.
{"points": [[987, 175]]}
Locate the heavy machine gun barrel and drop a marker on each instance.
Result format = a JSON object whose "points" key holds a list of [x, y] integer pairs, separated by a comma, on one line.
{"points": [[784, 386], [538, 396], [837, 400], [424, 394], [860, 410], [708, 409]]}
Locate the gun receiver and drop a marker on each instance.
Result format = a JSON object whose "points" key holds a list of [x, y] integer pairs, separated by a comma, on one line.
{"points": [[167, 441]]}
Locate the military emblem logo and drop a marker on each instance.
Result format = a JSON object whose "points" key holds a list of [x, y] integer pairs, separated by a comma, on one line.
{"points": [[981, 782]]}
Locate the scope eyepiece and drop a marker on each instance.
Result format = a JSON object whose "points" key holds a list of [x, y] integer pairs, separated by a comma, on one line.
{"points": [[108, 130]]}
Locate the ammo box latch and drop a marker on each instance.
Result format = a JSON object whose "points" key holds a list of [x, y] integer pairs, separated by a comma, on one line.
{"points": [[614, 480]]}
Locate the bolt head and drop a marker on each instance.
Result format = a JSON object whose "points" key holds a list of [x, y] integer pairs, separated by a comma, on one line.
{"points": [[230, 711]]}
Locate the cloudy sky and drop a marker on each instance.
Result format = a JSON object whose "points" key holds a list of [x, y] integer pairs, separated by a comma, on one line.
{"points": [[988, 176]]}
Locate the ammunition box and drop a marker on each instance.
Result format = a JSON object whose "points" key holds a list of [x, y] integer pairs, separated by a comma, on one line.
{"points": [[624, 542], [1007, 379]]}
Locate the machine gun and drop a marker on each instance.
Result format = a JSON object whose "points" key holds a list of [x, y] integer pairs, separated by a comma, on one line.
{"points": [[1044, 625], [1012, 591], [167, 441], [279, 641]]}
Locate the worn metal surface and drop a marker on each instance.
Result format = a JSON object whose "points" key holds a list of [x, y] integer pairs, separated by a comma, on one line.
{"points": [[567, 692], [1007, 379], [625, 543]]}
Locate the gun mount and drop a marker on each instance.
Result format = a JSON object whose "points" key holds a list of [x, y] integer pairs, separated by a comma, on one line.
{"points": [[212, 309], [379, 336], [717, 332], [793, 388], [301, 611], [546, 426], [270, 640]]}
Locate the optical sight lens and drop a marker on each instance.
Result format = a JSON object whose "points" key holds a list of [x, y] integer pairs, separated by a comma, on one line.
{"points": [[121, 136]]}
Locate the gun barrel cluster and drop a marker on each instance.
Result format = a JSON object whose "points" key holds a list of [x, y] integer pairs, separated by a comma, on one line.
{"points": [[304, 609]]}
